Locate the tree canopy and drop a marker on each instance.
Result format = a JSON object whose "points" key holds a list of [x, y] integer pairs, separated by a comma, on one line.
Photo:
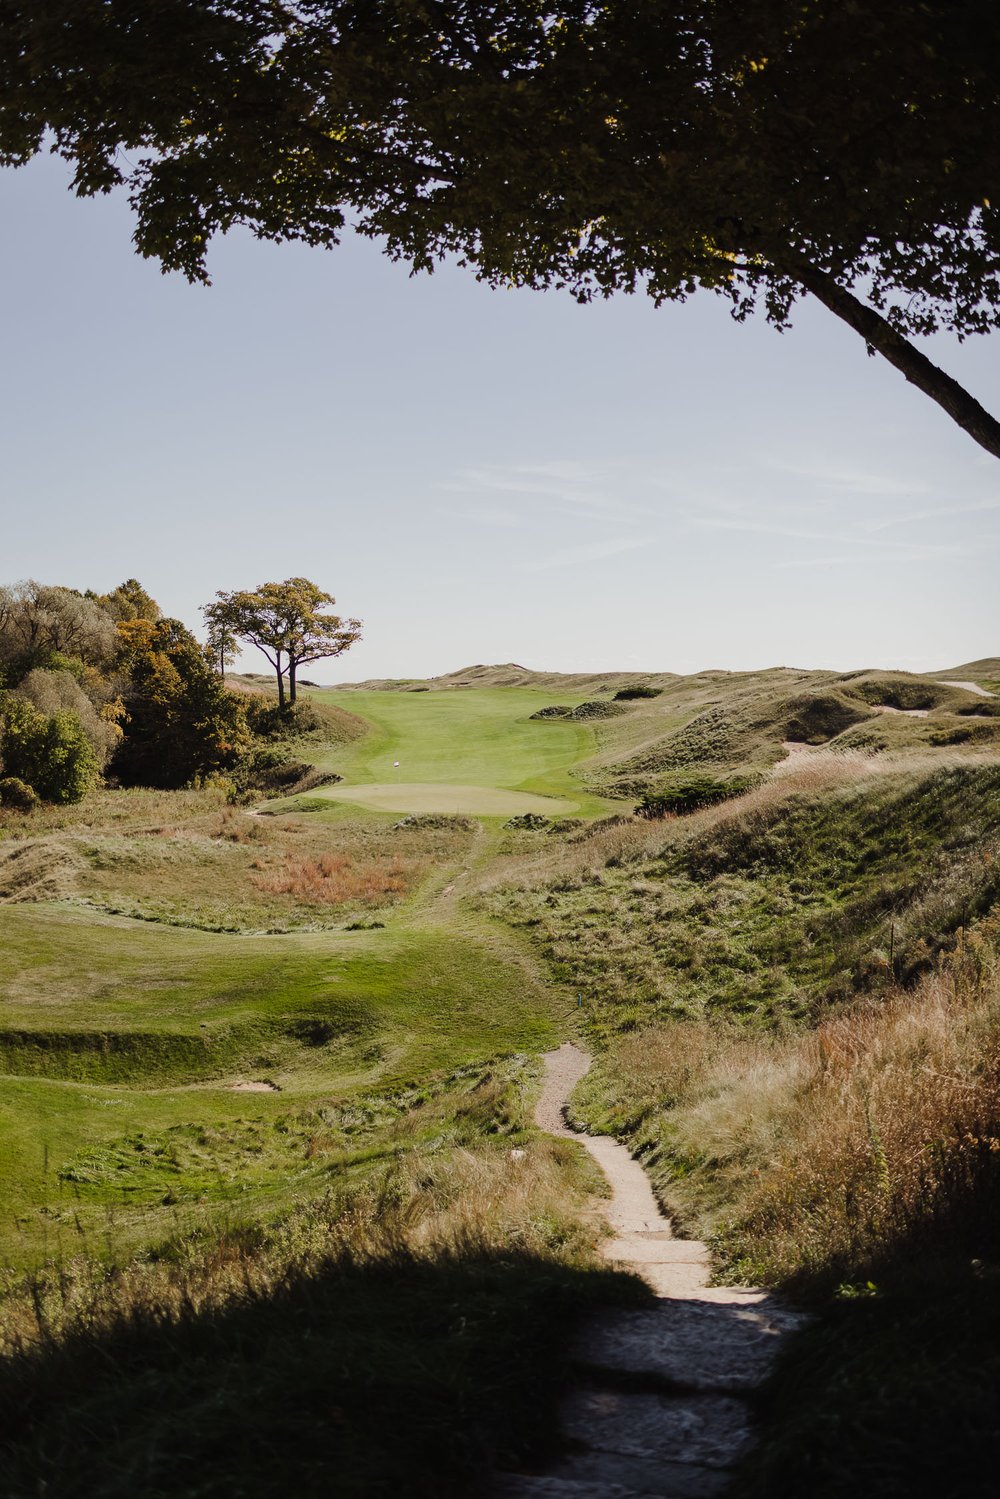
{"points": [[760, 149], [287, 622]]}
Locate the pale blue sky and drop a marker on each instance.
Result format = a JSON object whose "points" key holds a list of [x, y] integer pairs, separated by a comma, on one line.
{"points": [[481, 475]]}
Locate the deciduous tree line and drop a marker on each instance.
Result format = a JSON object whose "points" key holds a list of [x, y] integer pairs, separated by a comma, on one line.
{"points": [[94, 684]]}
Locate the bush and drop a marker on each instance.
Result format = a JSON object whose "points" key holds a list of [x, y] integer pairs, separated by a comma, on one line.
{"points": [[50, 752], [627, 694], [17, 794], [52, 690], [688, 793], [528, 820], [266, 720], [595, 709]]}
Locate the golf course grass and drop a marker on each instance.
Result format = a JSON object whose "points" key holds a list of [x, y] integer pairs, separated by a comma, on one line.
{"points": [[428, 796], [114, 1030], [478, 748], [109, 1027]]}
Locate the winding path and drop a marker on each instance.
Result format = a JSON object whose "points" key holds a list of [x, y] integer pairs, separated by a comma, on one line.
{"points": [[659, 1407]]}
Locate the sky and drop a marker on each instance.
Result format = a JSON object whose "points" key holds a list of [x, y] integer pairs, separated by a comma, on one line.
{"points": [[480, 475]]}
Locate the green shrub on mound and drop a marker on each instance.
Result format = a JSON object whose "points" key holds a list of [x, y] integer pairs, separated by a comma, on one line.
{"points": [[629, 694], [688, 793], [904, 693]]}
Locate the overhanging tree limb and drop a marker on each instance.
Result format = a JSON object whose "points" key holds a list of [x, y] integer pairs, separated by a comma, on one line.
{"points": [[884, 339]]}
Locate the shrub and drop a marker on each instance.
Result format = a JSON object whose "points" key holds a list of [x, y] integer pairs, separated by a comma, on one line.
{"points": [[628, 694], [267, 720], [17, 794], [50, 752], [596, 709], [51, 690], [688, 793], [528, 820]]}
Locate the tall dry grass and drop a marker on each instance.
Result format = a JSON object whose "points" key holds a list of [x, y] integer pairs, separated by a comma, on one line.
{"points": [[821, 1157], [334, 879]]}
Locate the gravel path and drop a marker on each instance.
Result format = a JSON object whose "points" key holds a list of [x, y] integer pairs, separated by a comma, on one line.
{"points": [[659, 1408]]}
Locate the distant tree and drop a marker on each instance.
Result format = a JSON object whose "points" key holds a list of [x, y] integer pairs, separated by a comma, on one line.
{"points": [[128, 601], [222, 644], [43, 626], [761, 149], [182, 723], [54, 691], [287, 624]]}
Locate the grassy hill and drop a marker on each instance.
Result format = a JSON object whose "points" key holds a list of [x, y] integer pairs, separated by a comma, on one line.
{"points": [[268, 1070]]}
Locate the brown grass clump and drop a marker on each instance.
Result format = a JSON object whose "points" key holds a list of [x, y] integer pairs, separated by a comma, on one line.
{"points": [[335, 879], [820, 1157]]}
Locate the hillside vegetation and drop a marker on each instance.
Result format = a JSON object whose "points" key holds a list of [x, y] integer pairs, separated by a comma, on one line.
{"points": [[269, 1056]]}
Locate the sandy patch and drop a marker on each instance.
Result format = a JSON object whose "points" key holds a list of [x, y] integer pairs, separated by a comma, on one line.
{"points": [[970, 687], [255, 1087]]}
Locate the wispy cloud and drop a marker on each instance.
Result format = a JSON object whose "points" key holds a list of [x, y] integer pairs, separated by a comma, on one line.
{"points": [[593, 551], [485, 515], [914, 517], [850, 481], [867, 548], [565, 485], [902, 553]]}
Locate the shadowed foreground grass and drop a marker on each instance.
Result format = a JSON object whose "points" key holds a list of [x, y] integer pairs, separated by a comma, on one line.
{"points": [[894, 1393], [398, 1336], [399, 1375]]}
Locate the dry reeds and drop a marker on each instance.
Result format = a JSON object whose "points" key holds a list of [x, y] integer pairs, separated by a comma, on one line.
{"points": [[819, 1155], [336, 879]]}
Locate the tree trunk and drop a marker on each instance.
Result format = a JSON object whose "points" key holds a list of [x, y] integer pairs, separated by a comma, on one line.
{"points": [[222, 662], [881, 336], [292, 663], [281, 680]]}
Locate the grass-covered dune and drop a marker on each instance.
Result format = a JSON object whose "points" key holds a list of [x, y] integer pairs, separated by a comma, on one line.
{"points": [[268, 1064]]}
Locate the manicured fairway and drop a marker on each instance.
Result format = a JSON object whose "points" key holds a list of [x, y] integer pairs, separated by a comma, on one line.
{"points": [[464, 741]]}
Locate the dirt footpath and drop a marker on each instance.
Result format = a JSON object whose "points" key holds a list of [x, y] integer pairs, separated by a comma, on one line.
{"points": [[659, 1409]]}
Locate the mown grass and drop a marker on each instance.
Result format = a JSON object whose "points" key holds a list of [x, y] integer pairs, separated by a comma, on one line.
{"points": [[109, 1026], [481, 737]]}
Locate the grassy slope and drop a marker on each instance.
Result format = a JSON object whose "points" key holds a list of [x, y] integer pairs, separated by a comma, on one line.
{"points": [[127, 1034]]}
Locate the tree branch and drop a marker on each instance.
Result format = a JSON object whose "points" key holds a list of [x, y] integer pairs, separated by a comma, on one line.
{"points": [[883, 338]]}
